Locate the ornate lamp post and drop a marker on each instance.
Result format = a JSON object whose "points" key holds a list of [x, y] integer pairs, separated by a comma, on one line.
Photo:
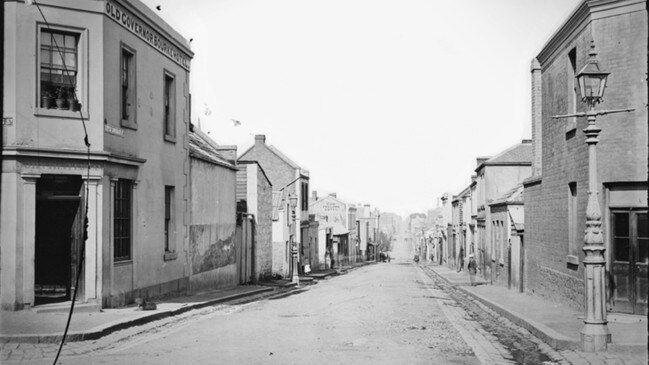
{"points": [[595, 334], [295, 278]]}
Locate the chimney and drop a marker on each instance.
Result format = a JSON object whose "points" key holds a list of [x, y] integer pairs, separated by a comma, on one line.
{"points": [[333, 194], [260, 139], [535, 69], [314, 195], [228, 152]]}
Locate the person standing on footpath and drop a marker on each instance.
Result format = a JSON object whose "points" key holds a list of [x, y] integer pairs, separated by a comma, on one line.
{"points": [[473, 268], [460, 260]]}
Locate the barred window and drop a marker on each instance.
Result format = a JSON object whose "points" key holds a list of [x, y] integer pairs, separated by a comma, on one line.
{"points": [[122, 220]]}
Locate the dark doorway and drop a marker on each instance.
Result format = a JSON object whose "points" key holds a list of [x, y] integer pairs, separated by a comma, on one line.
{"points": [[58, 237], [630, 254]]}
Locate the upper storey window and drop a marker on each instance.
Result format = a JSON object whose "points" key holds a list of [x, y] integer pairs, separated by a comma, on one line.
{"points": [[59, 65], [61, 71]]}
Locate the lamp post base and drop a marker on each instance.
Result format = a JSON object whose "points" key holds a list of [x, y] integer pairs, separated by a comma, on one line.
{"points": [[595, 337]]}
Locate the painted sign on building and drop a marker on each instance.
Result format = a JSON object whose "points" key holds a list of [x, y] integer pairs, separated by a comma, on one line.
{"points": [[146, 33]]}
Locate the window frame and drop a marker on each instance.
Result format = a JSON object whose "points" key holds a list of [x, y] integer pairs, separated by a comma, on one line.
{"points": [[169, 223], [169, 117], [131, 121], [120, 215], [82, 81]]}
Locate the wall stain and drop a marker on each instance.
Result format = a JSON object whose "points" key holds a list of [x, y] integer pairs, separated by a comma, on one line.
{"points": [[212, 247]]}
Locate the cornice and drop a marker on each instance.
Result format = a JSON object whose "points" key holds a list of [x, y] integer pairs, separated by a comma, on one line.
{"points": [[586, 11], [95, 156]]}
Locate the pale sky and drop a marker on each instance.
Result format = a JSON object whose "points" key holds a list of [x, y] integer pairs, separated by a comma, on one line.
{"points": [[386, 102]]}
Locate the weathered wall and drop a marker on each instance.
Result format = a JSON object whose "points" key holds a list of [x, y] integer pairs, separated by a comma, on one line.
{"points": [[212, 225]]}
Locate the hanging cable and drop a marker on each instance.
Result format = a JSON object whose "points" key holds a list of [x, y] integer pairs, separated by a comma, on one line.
{"points": [[87, 190]]}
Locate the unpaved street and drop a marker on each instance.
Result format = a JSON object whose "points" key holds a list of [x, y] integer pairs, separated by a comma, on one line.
{"points": [[387, 313]]}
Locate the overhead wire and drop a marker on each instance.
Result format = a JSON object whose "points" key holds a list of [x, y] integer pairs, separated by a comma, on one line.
{"points": [[87, 190]]}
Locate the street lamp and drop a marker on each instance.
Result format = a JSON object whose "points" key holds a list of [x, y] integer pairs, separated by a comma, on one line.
{"points": [[595, 334], [294, 276]]}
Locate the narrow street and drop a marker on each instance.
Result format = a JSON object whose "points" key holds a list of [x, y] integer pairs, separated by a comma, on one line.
{"points": [[387, 313]]}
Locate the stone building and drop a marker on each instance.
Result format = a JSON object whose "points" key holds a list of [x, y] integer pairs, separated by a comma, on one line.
{"points": [[255, 198], [494, 177], [288, 178], [556, 195], [118, 67]]}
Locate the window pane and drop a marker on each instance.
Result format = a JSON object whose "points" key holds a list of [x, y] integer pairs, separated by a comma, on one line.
{"points": [[46, 38], [56, 59], [71, 61], [621, 249], [643, 225], [58, 40], [46, 58], [621, 221], [70, 41]]}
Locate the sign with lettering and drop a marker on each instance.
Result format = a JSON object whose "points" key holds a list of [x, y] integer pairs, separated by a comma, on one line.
{"points": [[333, 210], [113, 130], [146, 33]]}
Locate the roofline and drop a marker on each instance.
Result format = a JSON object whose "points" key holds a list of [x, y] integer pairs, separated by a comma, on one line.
{"points": [[330, 197], [250, 162], [501, 203], [215, 162], [579, 18]]}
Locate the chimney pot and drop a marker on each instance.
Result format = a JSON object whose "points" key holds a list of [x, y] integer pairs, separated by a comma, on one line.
{"points": [[260, 138]]}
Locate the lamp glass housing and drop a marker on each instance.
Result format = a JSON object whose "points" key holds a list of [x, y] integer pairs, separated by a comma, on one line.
{"points": [[293, 201], [592, 85]]}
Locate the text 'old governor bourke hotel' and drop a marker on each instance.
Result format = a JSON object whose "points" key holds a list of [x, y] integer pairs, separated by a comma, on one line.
{"points": [[118, 70]]}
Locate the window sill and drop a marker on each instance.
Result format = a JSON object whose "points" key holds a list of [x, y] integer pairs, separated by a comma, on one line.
{"points": [[168, 256], [58, 113], [128, 125], [169, 138], [123, 262]]}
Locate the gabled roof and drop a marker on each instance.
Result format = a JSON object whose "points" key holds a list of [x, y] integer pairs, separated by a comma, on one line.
{"points": [[519, 154], [203, 148], [279, 154], [247, 162], [329, 197], [515, 195]]}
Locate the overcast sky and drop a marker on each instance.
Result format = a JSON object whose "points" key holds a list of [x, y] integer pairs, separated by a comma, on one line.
{"points": [[386, 102]]}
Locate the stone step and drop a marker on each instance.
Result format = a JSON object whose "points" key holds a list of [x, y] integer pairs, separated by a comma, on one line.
{"points": [[64, 307]]}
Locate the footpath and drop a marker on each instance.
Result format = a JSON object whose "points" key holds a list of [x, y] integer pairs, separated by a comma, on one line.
{"points": [[555, 324], [46, 323]]}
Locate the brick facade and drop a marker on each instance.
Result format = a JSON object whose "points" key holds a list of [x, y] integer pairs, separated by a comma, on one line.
{"points": [[619, 32]]}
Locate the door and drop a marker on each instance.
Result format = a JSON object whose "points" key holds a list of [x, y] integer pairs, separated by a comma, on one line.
{"points": [[630, 256], [244, 256], [57, 245]]}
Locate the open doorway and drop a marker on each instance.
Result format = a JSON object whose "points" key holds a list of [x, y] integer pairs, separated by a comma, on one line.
{"points": [[59, 236]]}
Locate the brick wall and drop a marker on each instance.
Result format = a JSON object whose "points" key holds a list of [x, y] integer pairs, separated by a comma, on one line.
{"points": [[279, 172], [264, 233], [621, 152]]}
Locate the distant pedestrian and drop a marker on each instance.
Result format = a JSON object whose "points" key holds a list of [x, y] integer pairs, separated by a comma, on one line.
{"points": [[473, 268], [460, 260]]}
